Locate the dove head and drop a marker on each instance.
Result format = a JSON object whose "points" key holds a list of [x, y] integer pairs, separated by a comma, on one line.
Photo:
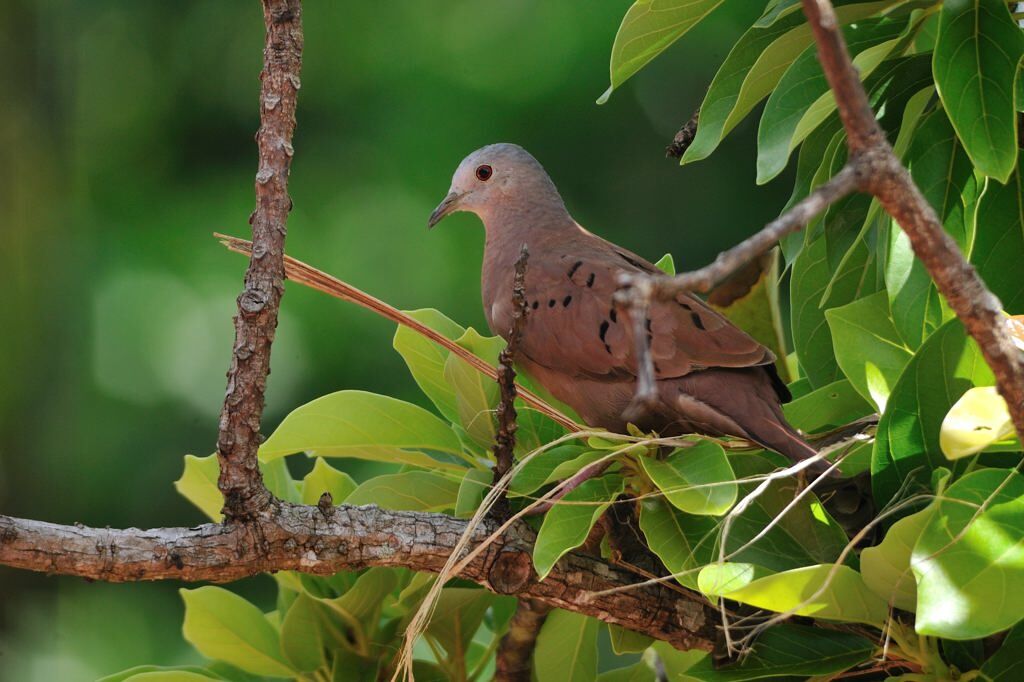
{"points": [[499, 182]]}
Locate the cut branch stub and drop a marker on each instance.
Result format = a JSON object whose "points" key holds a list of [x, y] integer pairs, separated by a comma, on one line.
{"points": [[239, 437]]}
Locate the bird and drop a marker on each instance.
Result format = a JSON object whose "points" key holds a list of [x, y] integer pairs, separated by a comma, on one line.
{"points": [[711, 377]]}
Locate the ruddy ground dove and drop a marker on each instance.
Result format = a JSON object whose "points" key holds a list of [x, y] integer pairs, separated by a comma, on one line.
{"points": [[712, 378]]}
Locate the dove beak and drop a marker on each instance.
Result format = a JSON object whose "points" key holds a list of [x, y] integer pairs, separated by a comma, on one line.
{"points": [[448, 205]]}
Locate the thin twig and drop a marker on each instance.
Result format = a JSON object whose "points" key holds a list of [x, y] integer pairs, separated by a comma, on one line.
{"points": [[300, 273], [505, 439], [239, 436]]}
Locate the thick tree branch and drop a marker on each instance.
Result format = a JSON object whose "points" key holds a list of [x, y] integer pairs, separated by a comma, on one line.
{"points": [[312, 540], [514, 660], [875, 169], [239, 435]]}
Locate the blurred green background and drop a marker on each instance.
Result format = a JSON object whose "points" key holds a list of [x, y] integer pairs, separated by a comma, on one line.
{"points": [[127, 131]]}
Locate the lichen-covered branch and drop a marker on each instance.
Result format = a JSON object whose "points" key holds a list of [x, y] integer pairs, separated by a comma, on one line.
{"points": [[256, 321], [324, 541]]}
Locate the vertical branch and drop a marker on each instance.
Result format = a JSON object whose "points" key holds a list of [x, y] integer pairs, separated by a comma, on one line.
{"points": [[515, 653], [505, 440], [239, 437]]}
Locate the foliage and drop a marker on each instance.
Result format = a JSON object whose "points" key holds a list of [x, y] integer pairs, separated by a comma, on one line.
{"points": [[870, 334]]}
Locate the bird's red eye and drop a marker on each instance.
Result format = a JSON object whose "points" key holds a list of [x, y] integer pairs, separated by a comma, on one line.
{"points": [[484, 173]]}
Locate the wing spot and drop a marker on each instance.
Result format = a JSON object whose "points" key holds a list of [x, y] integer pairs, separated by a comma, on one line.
{"points": [[602, 331], [574, 268], [535, 305], [647, 324], [566, 301], [551, 303], [686, 306], [613, 315], [697, 321]]}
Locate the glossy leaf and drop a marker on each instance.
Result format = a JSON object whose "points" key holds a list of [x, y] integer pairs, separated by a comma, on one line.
{"points": [[1007, 663], [683, 542], [474, 486], [188, 673], [802, 99], [666, 264], [886, 566], [476, 395], [648, 28], [408, 491], [365, 426], [969, 561], [791, 651], [868, 348], [638, 672], [540, 469], [827, 407], [302, 637], [975, 62], [979, 419], [223, 626], [753, 68], [627, 641], [907, 441], [458, 616], [426, 359], [566, 648], [696, 479], [999, 242], [198, 485], [325, 478], [844, 596], [567, 524]]}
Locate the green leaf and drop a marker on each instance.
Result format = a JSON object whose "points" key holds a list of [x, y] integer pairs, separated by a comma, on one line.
{"points": [[426, 359], [696, 479], [648, 28], [812, 338], [790, 650], [753, 68], [189, 673], [223, 626], [627, 641], [827, 407], [198, 485], [886, 567], [803, 535], [975, 62], [907, 442], [474, 486], [638, 672], [683, 542], [302, 639], [566, 648], [476, 395], [969, 561], [666, 264], [979, 419], [1007, 663], [567, 524], [408, 491], [754, 307], [171, 675], [868, 348], [999, 242], [844, 596], [365, 426], [458, 616], [325, 478], [802, 100], [539, 470], [278, 479]]}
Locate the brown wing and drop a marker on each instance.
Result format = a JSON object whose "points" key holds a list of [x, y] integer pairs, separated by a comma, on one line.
{"points": [[574, 328]]}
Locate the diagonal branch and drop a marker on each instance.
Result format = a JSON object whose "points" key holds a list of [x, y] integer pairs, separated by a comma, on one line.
{"points": [[239, 435], [514, 660], [324, 541], [875, 169]]}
